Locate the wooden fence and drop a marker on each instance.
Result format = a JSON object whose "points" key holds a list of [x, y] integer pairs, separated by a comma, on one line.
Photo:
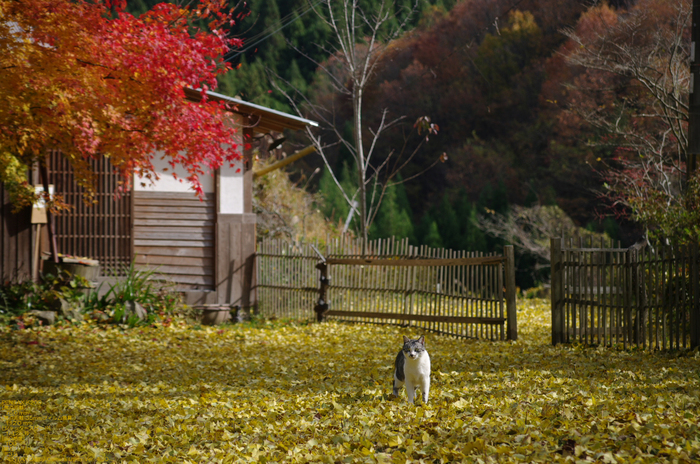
{"points": [[444, 291], [647, 297], [287, 279]]}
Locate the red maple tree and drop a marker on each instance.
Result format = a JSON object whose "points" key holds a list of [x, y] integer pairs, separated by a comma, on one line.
{"points": [[89, 79]]}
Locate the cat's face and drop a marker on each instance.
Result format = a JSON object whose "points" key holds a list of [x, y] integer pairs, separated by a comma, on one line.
{"points": [[413, 348]]}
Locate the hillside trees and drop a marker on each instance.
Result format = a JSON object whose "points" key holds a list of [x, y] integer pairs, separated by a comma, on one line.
{"points": [[281, 34], [478, 72], [478, 69], [630, 83]]}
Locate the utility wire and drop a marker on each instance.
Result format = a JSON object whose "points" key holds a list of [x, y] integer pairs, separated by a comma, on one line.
{"points": [[282, 20], [299, 13]]}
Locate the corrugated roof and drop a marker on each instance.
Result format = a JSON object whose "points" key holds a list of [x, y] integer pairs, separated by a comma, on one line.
{"points": [[262, 119]]}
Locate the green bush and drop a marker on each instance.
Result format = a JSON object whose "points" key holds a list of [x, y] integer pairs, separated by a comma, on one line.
{"points": [[156, 297], [138, 286]]}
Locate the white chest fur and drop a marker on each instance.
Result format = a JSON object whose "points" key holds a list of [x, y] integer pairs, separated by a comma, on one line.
{"points": [[417, 369]]}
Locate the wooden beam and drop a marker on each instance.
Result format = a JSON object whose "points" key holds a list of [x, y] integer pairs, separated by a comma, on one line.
{"points": [[418, 317], [290, 159], [418, 261]]}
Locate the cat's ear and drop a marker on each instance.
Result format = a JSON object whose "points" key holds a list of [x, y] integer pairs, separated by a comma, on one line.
{"points": [[421, 340], [406, 339]]}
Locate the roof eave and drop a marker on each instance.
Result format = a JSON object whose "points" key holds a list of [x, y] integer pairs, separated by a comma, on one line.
{"points": [[267, 120]]}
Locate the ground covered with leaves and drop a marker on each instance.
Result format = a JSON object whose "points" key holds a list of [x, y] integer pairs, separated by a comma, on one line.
{"points": [[320, 393]]}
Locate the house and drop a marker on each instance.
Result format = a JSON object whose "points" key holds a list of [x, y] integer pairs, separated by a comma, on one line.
{"points": [[206, 248]]}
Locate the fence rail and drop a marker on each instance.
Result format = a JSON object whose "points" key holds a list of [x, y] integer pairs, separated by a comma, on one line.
{"points": [[647, 297], [445, 291]]}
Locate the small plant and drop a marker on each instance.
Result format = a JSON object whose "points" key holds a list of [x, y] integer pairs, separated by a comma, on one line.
{"points": [[14, 298], [137, 287], [17, 299], [118, 305]]}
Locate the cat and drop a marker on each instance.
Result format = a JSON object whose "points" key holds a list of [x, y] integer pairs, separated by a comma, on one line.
{"points": [[412, 367]]}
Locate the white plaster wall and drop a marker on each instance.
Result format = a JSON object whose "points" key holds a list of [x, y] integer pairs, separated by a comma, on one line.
{"points": [[231, 187], [166, 181], [231, 177]]}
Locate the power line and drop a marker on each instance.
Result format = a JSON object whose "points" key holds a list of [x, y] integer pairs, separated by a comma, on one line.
{"points": [[291, 15]]}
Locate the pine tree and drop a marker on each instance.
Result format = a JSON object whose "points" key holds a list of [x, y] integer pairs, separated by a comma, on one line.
{"points": [[447, 223], [334, 206], [432, 237], [474, 238], [392, 219], [471, 237], [493, 201]]}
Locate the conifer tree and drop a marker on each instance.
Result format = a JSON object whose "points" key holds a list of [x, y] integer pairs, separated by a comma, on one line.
{"points": [[335, 207], [471, 237], [432, 237], [392, 220], [447, 223]]}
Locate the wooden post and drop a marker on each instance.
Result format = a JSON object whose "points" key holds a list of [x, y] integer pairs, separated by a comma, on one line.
{"points": [[694, 297], [322, 303], [511, 311], [694, 95], [50, 217], [629, 329], [557, 291]]}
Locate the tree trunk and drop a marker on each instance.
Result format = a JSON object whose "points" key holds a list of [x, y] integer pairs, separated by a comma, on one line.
{"points": [[357, 130]]}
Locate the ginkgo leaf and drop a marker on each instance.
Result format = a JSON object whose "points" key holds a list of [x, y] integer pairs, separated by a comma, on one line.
{"points": [[307, 392]]}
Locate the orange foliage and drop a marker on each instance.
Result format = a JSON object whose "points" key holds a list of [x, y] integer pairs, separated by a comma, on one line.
{"points": [[91, 80]]}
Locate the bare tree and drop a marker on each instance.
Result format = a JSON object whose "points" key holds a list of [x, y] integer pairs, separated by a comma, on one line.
{"points": [[635, 88], [530, 229], [361, 42]]}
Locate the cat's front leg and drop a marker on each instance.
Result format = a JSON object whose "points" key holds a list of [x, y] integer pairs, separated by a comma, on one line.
{"points": [[425, 389], [397, 386], [410, 391]]}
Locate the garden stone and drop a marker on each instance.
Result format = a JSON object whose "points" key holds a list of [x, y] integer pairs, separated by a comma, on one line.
{"points": [[46, 317], [69, 311], [134, 308], [216, 315]]}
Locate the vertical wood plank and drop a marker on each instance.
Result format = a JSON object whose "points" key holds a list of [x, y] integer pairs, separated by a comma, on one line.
{"points": [[556, 290], [695, 297], [511, 309]]}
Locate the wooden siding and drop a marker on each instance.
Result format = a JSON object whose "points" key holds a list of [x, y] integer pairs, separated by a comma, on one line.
{"points": [[16, 241], [99, 231], [174, 235]]}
